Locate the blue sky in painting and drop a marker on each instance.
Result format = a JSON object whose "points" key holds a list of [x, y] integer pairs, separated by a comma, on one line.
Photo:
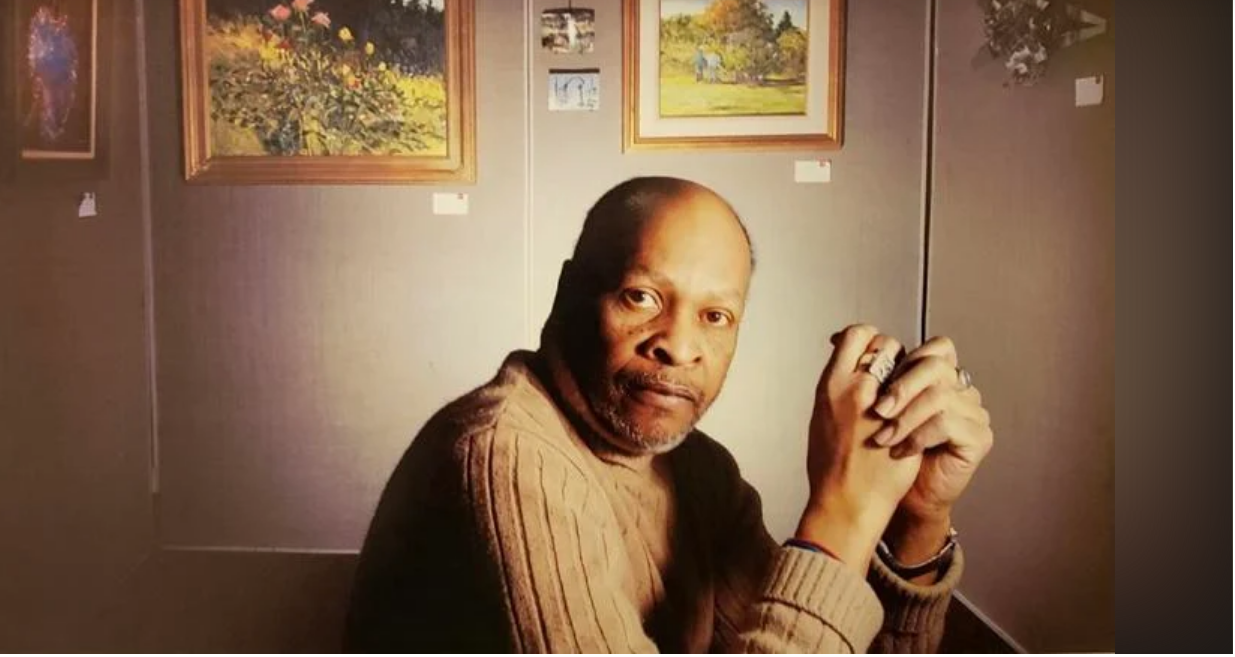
{"points": [[796, 8]]}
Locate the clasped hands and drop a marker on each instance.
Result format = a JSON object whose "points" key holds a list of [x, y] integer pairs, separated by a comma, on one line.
{"points": [[895, 438]]}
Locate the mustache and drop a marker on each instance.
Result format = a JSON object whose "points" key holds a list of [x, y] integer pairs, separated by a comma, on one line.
{"points": [[659, 382]]}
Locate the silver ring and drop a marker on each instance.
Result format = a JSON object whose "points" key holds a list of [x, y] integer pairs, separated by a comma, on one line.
{"points": [[964, 378], [881, 367]]}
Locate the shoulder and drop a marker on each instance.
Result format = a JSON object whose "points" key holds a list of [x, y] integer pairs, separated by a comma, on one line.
{"points": [[509, 422]]}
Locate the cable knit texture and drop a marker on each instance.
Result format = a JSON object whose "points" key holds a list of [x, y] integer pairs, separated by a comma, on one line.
{"points": [[506, 528]]}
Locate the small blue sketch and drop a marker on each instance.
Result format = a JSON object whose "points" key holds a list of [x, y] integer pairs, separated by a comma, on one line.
{"points": [[574, 90]]}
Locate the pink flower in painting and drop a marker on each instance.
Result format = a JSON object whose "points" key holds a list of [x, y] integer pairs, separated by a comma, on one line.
{"points": [[280, 13], [301, 5], [321, 18]]}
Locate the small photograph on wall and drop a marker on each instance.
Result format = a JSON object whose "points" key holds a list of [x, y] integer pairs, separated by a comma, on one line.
{"points": [[574, 90], [569, 30], [57, 81]]}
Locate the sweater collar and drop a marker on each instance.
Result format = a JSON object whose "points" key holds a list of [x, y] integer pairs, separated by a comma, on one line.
{"points": [[548, 366]]}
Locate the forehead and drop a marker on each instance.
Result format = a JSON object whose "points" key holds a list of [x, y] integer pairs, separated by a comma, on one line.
{"points": [[694, 241]]}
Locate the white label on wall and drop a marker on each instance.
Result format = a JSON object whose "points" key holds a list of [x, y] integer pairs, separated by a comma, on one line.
{"points": [[449, 203], [86, 207], [1089, 91], [812, 171]]}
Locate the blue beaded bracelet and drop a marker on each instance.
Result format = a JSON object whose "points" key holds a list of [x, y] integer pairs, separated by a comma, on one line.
{"points": [[809, 546]]}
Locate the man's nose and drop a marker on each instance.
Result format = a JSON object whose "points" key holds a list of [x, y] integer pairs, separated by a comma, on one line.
{"points": [[676, 341]]}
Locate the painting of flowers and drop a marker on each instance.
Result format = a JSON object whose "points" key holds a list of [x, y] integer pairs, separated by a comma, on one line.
{"points": [[56, 79], [377, 87]]}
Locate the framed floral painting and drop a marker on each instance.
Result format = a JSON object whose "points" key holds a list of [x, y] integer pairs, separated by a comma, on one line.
{"points": [[328, 91], [733, 73]]}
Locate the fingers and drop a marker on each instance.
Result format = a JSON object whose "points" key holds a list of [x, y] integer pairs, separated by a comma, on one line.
{"points": [[925, 401], [938, 346], [851, 342], [884, 351], [940, 415], [925, 408], [966, 438], [926, 404], [921, 373], [861, 352]]}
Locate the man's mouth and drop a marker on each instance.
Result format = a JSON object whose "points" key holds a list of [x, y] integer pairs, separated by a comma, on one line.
{"points": [[663, 394], [669, 390]]}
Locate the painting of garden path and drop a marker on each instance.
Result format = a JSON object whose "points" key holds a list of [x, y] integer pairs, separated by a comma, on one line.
{"points": [[733, 57]]}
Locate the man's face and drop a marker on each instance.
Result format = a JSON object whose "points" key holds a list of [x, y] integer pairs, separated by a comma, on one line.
{"points": [[666, 325]]}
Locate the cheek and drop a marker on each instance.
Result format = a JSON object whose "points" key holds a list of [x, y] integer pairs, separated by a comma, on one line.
{"points": [[720, 348], [620, 334]]}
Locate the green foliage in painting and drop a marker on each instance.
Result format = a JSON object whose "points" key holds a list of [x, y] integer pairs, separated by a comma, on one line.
{"points": [[732, 58], [291, 81]]}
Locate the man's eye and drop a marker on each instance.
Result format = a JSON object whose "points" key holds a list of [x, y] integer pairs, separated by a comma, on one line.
{"points": [[640, 298], [717, 318]]}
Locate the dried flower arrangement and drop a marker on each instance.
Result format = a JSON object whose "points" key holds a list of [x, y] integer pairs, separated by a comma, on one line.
{"points": [[1024, 34]]}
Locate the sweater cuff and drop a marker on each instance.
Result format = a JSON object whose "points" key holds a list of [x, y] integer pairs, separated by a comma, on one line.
{"points": [[825, 588], [915, 608]]}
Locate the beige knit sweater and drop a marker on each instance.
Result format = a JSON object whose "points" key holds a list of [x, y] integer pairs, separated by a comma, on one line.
{"points": [[504, 528]]}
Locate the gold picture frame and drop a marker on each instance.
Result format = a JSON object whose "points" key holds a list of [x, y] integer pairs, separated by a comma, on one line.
{"points": [[788, 94], [334, 138]]}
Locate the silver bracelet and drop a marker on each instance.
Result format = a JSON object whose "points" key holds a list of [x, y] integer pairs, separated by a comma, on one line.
{"points": [[936, 563]]}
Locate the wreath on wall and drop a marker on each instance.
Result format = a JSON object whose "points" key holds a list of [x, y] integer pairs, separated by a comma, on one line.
{"points": [[1025, 34]]}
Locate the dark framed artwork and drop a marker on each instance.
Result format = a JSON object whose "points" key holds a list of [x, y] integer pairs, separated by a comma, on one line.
{"points": [[57, 88], [328, 91]]}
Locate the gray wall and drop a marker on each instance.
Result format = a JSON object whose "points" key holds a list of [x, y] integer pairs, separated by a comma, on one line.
{"points": [[303, 334], [75, 512], [1021, 228]]}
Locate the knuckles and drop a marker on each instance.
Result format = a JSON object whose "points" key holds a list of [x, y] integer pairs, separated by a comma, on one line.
{"points": [[945, 345]]}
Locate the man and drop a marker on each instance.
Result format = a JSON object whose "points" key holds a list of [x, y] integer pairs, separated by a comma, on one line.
{"points": [[714, 62], [569, 505]]}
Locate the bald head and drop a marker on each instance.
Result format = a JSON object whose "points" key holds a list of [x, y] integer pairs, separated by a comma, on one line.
{"points": [[618, 219], [647, 311]]}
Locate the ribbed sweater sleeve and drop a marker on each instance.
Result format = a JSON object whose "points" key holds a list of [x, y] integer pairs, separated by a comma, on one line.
{"points": [[809, 602], [774, 599], [914, 620]]}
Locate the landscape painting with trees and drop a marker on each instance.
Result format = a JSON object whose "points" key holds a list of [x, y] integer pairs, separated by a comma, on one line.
{"points": [[733, 57]]}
